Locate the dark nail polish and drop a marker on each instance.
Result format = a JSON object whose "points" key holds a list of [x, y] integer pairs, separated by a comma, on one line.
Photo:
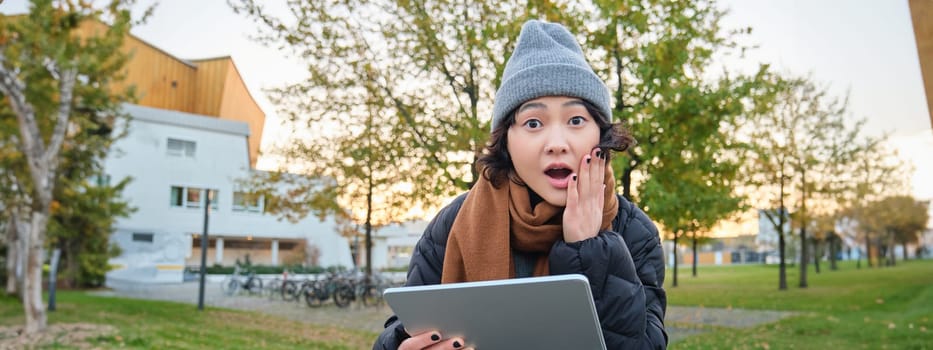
{"points": [[574, 178], [599, 154], [457, 344], [435, 337], [587, 160]]}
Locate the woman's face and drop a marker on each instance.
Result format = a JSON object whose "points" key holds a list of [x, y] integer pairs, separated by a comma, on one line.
{"points": [[549, 139]]}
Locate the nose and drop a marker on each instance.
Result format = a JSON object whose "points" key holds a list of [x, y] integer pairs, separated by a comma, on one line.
{"points": [[557, 142]]}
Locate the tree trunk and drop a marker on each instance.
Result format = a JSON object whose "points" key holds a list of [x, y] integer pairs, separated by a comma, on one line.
{"points": [[868, 250], [904, 247], [627, 184], [69, 272], [12, 256], [21, 248], [816, 255], [675, 259], [695, 254], [33, 304], [782, 270], [833, 249], [72, 270], [892, 260], [369, 229], [803, 256], [858, 260]]}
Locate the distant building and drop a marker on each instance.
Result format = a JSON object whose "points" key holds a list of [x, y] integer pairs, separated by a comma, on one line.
{"points": [[196, 127], [394, 245], [173, 158], [925, 246], [768, 240]]}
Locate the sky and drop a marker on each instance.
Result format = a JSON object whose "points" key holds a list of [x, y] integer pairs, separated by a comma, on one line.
{"points": [[862, 47]]}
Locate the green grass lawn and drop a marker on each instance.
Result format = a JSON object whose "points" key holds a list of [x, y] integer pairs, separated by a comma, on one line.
{"points": [[862, 309], [879, 308], [145, 324]]}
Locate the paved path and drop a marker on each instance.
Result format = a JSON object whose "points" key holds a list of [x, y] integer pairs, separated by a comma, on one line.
{"points": [[679, 319]]}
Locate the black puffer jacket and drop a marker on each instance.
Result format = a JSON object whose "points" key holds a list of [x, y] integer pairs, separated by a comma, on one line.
{"points": [[626, 274]]}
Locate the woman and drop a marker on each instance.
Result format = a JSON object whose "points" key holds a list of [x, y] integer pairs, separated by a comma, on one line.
{"points": [[546, 203]]}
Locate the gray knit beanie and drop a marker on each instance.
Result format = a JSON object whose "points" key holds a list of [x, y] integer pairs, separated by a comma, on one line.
{"points": [[547, 61]]}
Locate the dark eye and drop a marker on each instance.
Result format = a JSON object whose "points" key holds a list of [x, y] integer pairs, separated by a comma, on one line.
{"points": [[578, 120], [533, 123]]}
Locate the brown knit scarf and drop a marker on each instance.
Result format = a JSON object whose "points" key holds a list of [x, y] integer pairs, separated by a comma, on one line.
{"points": [[494, 221]]}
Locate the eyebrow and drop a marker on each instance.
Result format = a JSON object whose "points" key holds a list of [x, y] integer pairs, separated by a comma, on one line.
{"points": [[531, 105], [541, 105], [573, 103]]}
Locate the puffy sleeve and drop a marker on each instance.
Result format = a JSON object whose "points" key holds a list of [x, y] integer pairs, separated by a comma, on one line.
{"points": [[626, 274]]}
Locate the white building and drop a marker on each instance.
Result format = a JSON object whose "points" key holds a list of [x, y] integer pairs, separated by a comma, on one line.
{"points": [[393, 245], [172, 157], [768, 240]]}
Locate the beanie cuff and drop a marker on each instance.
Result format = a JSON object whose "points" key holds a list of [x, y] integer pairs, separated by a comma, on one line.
{"points": [[550, 80]]}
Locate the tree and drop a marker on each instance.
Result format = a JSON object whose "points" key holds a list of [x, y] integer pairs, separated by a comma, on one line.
{"points": [[898, 219], [655, 57], [12, 199], [690, 202], [769, 164], [83, 214], [430, 68], [405, 83], [53, 82], [874, 171], [824, 233], [819, 145]]}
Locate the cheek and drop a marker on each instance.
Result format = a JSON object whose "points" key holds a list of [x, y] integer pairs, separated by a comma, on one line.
{"points": [[589, 140]]}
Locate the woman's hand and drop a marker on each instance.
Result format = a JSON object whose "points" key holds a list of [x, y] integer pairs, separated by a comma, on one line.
{"points": [[585, 198], [431, 340]]}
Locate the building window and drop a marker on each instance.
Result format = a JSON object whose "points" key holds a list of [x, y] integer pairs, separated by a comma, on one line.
{"points": [[180, 148], [142, 237], [246, 202], [191, 197], [99, 180]]}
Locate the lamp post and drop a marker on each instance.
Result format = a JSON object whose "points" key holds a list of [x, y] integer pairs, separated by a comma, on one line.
{"points": [[207, 210]]}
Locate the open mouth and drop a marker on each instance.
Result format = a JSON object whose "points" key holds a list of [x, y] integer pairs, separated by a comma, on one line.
{"points": [[558, 173]]}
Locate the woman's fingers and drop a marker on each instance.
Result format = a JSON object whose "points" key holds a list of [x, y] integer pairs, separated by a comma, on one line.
{"points": [[573, 191], [597, 171], [431, 340], [455, 343], [421, 341], [585, 198], [583, 187]]}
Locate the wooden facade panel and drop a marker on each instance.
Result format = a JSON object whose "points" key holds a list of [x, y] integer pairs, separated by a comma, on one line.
{"points": [[238, 104], [212, 74], [161, 81], [211, 87], [920, 13]]}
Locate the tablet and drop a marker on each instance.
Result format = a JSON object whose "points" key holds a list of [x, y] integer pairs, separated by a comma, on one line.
{"points": [[551, 312]]}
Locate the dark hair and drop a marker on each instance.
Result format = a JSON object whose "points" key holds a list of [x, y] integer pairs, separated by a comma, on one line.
{"points": [[496, 163]]}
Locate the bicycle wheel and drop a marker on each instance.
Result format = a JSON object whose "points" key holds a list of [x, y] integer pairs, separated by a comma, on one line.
{"points": [[271, 289], [343, 296], [371, 296], [289, 290], [254, 285], [315, 296], [230, 286]]}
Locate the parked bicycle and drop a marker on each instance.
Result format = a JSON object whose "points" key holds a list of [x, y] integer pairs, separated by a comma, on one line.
{"points": [[327, 288], [237, 281]]}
